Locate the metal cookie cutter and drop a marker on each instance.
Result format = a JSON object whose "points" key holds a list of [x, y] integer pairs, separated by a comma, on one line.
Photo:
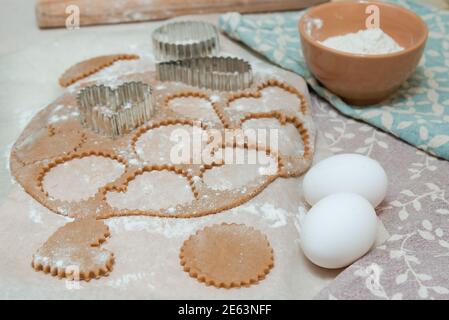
{"points": [[185, 39], [216, 73], [114, 112]]}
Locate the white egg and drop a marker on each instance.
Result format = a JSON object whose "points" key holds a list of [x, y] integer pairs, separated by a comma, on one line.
{"points": [[338, 230], [346, 173]]}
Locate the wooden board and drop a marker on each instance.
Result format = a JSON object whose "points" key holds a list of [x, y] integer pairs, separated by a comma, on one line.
{"points": [[52, 13]]}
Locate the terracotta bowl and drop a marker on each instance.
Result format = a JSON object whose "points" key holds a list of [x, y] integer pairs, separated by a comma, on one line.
{"points": [[361, 79]]}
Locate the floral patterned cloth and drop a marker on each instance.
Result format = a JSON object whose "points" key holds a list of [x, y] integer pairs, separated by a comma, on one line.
{"points": [[414, 262], [418, 113]]}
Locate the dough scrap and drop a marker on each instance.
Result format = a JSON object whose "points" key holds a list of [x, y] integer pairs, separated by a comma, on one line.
{"points": [[74, 252]]}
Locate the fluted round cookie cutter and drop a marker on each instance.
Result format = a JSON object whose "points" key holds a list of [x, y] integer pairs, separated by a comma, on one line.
{"points": [[114, 112], [184, 40], [215, 73]]}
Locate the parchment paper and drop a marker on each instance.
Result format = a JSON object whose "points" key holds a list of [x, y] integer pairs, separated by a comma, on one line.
{"points": [[146, 249]]}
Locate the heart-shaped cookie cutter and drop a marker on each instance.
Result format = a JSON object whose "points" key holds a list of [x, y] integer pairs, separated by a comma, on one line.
{"points": [[184, 40], [215, 73], [114, 112]]}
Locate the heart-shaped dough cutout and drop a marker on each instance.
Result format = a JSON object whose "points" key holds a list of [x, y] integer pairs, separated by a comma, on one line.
{"points": [[268, 99], [241, 166], [74, 252], [197, 108], [165, 144], [153, 190], [289, 139], [80, 178]]}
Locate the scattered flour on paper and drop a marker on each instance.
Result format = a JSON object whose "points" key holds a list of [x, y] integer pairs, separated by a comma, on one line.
{"points": [[277, 217], [163, 226], [127, 279], [302, 211], [34, 215], [369, 42], [6, 155], [299, 216]]}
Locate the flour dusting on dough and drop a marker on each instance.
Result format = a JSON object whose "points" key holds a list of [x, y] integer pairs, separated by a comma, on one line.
{"points": [[194, 108], [273, 98], [60, 118], [153, 190], [290, 142], [82, 176]]}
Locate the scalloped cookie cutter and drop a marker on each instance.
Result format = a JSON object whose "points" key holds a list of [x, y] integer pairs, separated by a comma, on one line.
{"points": [[185, 39], [114, 112], [215, 73]]}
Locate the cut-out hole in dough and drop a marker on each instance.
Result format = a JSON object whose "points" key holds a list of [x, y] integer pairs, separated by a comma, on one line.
{"points": [[156, 145], [273, 98], [194, 108], [80, 178], [289, 139], [153, 190], [241, 167]]}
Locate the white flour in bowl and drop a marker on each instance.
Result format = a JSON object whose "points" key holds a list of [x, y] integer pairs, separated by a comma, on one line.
{"points": [[368, 41]]}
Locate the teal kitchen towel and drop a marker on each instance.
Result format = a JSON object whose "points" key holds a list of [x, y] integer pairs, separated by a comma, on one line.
{"points": [[418, 113]]}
